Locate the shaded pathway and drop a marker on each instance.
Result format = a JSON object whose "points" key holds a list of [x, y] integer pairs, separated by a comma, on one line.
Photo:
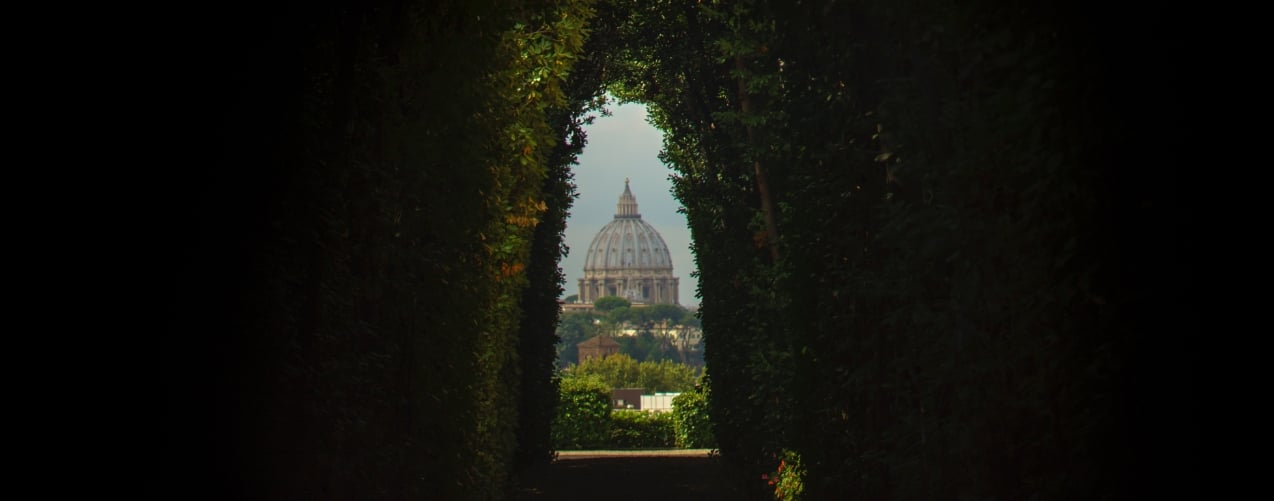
{"points": [[619, 475]]}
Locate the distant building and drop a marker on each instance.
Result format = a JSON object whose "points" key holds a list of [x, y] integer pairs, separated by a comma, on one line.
{"points": [[597, 347], [629, 259], [659, 402], [626, 398], [575, 307], [636, 399]]}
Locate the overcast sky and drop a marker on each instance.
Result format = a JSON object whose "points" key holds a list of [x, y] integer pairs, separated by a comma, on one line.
{"points": [[622, 146]]}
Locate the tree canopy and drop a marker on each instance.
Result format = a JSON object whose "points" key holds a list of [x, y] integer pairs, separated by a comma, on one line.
{"points": [[621, 371], [663, 332], [608, 303]]}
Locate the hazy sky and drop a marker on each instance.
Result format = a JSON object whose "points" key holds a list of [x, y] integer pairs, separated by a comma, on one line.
{"points": [[622, 146]]}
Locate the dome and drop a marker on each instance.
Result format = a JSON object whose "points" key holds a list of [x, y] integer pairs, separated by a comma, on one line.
{"points": [[628, 258], [627, 241]]}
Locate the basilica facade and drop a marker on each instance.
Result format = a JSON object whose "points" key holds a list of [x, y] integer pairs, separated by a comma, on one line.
{"points": [[628, 259]]}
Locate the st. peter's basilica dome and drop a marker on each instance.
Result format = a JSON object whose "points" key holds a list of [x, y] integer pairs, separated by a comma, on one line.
{"points": [[629, 259]]}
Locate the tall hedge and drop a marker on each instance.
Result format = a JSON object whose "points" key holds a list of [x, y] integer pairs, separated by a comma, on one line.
{"points": [[929, 237], [366, 299], [934, 241]]}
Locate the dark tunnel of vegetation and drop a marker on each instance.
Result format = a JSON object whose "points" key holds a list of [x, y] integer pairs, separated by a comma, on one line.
{"points": [[933, 242]]}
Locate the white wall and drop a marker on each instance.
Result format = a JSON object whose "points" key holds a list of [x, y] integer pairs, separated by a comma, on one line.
{"points": [[659, 402]]}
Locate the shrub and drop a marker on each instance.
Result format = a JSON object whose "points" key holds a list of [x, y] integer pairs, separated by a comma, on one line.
{"points": [[583, 414], [640, 429], [690, 419]]}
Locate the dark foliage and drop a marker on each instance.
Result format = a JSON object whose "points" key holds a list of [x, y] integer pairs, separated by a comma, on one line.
{"points": [[928, 238], [935, 242], [367, 299]]}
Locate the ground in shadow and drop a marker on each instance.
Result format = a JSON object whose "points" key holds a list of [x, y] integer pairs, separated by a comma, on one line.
{"points": [[667, 478]]}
